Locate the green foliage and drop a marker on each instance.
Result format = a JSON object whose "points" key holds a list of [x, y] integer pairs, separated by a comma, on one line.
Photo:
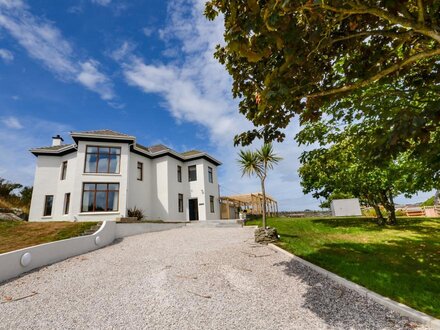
{"points": [[26, 196], [258, 163], [7, 188], [135, 213], [402, 264], [429, 201]]}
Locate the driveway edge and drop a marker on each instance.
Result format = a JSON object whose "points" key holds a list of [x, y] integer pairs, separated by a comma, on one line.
{"points": [[399, 308]]}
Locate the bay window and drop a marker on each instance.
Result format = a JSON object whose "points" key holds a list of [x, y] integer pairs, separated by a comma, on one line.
{"points": [[100, 197]]}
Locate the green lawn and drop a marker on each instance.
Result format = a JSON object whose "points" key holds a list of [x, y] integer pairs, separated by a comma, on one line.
{"points": [[400, 262], [20, 234]]}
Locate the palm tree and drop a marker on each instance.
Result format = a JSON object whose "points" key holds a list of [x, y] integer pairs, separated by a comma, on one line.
{"points": [[258, 163]]}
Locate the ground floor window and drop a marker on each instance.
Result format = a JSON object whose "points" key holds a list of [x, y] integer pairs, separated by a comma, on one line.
{"points": [[48, 203], [66, 203], [180, 202], [211, 203], [100, 197]]}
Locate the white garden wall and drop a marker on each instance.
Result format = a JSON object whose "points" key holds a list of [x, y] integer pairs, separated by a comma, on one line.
{"points": [[11, 263]]}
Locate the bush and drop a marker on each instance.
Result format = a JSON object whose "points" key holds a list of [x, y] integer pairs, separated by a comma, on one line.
{"points": [[135, 213]]}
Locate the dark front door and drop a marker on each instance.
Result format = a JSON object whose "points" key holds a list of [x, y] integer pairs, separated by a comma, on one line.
{"points": [[193, 209]]}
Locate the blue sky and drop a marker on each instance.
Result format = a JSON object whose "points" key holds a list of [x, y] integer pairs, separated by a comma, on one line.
{"points": [[139, 67]]}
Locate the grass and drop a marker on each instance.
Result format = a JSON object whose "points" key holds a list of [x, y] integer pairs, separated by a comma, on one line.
{"points": [[16, 235], [401, 262]]}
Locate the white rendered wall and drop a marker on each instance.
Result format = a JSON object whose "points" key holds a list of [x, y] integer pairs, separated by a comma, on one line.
{"points": [[175, 188], [140, 192], [345, 207]]}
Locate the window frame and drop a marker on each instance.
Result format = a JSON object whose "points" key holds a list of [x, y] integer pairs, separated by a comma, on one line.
{"points": [[180, 203], [63, 170], [45, 213], [189, 173], [210, 174], [66, 205], [97, 159], [211, 204], [179, 173], [140, 171], [94, 197]]}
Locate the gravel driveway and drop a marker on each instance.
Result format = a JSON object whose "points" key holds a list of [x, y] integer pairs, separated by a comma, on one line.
{"points": [[187, 278]]}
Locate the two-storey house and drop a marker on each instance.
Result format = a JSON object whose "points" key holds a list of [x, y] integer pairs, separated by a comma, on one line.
{"points": [[104, 173]]}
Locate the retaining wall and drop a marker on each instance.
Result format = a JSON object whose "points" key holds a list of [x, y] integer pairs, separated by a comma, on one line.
{"points": [[14, 263]]}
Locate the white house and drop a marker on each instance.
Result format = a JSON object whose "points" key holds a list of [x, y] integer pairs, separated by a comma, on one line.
{"points": [[104, 173]]}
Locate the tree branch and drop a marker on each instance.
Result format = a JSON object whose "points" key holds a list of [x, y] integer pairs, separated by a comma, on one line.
{"points": [[378, 76], [403, 21], [421, 17]]}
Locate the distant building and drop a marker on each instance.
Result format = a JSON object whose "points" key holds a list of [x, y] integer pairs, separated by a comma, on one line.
{"points": [[345, 207], [104, 173]]}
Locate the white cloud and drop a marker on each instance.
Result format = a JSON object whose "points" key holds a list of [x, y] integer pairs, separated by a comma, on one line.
{"points": [[6, 55], [46, 44], [102, 2], [197, 89], [12, 122], [148, 31], [94, 80]]}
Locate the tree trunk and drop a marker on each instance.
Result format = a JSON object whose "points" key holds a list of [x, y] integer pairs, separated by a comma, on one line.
{"points": [[379, 215], [392, 218], [263, 191]]}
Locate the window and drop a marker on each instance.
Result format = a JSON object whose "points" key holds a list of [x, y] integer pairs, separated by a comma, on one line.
{"points": [[100, 197], [48, 202], [102, 159], [179, 173], [140, 171], [192, 173], [64, 170], [211, 203], [66, 203], [180, 202], [210, 175]]}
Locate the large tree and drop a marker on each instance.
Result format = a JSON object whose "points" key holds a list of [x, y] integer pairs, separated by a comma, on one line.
{"points": [[294, 57]]}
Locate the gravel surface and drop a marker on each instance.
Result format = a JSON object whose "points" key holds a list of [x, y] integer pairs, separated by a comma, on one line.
{"points": [[187, 278]]}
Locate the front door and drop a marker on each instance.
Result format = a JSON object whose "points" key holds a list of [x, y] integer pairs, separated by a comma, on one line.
{"points": [[193, 209]]}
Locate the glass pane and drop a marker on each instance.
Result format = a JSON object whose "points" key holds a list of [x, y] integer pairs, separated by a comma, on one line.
{"points": [[101, 186], [104, 150], [90, 163], [116, 151], [89, 186], [103, 163], [192, 173], [114, 164], [92, 149], [113, 186], [48, 205], [87, 203], [113, 197], [101, 197]]}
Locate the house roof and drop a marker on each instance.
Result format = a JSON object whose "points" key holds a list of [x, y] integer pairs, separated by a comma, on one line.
{"points": [[191, 152], [58, 150], [154, 151]]}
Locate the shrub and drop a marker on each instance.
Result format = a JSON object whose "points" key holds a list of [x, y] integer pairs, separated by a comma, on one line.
{"points": [[135, 213]]}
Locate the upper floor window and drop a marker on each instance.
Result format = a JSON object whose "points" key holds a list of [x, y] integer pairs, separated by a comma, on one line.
{"points": [[102, 159], [100, 197], [64, 170], [140, 171], [48, 203], [210, 175], [192, 173], [179, 173]]}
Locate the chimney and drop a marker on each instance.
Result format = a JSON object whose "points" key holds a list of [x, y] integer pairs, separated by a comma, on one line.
{"points": [[57, 140]]}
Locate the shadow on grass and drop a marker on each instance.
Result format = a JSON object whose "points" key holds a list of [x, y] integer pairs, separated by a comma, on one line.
{"points": [[418, 225], [406, 270]]}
